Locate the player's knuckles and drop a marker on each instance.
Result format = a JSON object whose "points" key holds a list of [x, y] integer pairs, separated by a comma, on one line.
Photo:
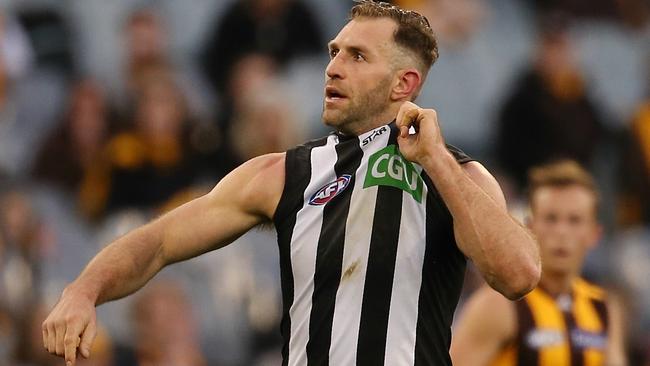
{"points": [[51, 337], [409, 116], [430, 113], [403, 114], [408, 105], [71, 340]]}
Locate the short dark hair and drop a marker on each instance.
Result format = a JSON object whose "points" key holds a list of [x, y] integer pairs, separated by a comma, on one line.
{"points": [[560, 174], [413, 30]]}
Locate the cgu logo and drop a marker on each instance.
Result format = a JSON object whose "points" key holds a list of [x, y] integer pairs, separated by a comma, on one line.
{"points": [[330, 190], [387, 167]]}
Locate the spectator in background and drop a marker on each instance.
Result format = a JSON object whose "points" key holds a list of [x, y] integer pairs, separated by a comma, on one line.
{"points": [[633, 13], [165, 330], [146, 44], [23, 243], [75, 145], [280, 29], [7, 331], [548, 115], [147, 164], [31, 69], [634, 198], [264, 125], [454, 21], [248, 75]]}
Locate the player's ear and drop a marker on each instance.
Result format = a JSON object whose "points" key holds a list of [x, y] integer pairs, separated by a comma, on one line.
{"points": [[406, 84]]}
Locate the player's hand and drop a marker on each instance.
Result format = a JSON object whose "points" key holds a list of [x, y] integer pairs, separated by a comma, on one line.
{"points": [[71, 326], [426, 140]]}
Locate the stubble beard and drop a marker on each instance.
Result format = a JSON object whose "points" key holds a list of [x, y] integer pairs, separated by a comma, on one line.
{"points": [[359, 111]]}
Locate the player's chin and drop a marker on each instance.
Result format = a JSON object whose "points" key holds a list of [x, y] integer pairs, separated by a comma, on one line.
{"points": [[331, 117]]}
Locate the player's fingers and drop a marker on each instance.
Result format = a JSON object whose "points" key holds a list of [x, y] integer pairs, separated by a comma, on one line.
{"points": [[404, 108], [51, 338], [409, 118], [87, 338], [44, 333], [59, 347], [71, 342], [429, 113]]}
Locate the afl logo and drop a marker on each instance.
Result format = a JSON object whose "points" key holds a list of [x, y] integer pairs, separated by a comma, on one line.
{"points": [[330, 190]]}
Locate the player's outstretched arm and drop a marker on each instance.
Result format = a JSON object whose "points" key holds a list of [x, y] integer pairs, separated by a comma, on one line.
{"points": [[486, 325], [502, 249], [243, 199]]}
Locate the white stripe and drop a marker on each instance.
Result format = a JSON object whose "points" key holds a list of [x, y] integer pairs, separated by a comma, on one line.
{"points": [[358, 231], [304, 244], [403, 316]]}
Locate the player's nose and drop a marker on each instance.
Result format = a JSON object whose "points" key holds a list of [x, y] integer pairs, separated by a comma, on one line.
{"points": [[335, 69]]}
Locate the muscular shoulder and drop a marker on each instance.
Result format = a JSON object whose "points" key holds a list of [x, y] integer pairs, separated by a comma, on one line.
{"points": [[256, 185]]}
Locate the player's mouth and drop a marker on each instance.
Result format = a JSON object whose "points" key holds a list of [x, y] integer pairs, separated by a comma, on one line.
{"points": [[561, 253], [333, 95]]}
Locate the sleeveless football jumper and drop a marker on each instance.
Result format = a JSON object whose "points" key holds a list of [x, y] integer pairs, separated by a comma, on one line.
{"points": [[568, 331], [370, 270]]}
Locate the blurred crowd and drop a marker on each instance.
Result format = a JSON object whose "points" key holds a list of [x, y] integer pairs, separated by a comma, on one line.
{"points": [[112, 113]]}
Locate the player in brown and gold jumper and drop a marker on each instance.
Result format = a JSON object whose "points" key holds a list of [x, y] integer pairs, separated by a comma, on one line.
{"points": [[565, 321]]}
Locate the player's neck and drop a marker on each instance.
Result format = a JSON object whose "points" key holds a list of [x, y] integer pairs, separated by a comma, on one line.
{"points": [[360, 127], [556, 284]]}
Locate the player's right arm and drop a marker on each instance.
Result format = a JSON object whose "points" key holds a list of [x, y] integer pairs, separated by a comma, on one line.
{"points": [[487, 324], [243, 199]]}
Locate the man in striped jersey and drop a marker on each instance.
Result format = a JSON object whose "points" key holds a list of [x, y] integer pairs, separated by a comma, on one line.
{"points": [[374, 221], [565, 321]]}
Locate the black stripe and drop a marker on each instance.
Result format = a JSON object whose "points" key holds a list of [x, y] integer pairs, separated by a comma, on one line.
{"points": [[526, 355], [577, 357], [442, 279], [329, 257], [298, 164], [459, 154], [380, 272], [601, 310]]}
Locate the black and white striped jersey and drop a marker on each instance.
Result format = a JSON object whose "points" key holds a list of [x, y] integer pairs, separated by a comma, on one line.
{"points": [[370, 270]]}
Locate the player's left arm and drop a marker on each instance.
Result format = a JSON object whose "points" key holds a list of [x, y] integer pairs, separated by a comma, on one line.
{"points": [[503, 250], [615, 355]]}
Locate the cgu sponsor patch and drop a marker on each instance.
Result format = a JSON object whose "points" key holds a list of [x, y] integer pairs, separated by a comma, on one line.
{"points": [[332, 189], [387, 167]]}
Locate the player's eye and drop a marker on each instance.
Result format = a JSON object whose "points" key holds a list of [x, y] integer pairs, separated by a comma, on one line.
{"points": [[575, 220], [551, 218], [333, 52], [359, 57]]}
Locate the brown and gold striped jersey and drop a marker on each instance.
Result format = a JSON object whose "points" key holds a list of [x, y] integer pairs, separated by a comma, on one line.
{"points": [[570, 330]]}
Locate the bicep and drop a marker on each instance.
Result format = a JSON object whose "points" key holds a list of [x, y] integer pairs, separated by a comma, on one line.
{"points": [[241, 200]]}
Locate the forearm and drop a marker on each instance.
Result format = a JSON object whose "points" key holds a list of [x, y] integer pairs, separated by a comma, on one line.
{"points": [[504, 251], [122, 267]]}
